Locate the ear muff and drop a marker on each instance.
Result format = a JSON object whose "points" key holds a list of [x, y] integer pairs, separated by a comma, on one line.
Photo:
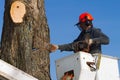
{"points": [[88, 22]]}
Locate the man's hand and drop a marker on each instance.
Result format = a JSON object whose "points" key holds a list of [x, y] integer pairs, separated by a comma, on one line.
{"points": [[53, 47], [90, 41]]}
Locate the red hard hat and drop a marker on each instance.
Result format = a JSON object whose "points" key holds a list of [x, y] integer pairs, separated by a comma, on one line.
{"points": [[85, 16]]}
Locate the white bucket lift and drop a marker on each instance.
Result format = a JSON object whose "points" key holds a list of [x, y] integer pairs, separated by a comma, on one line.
{"points": [[76, 64]]}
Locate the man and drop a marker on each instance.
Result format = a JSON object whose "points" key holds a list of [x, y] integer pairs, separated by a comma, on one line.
{"points": [[89, 40]]}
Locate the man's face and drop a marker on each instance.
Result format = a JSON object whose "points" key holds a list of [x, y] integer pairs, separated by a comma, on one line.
{"points": [[82, 26]]}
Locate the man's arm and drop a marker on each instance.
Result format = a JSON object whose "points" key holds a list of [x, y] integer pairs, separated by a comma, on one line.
{"points": [[100, 37], [74, 46]]}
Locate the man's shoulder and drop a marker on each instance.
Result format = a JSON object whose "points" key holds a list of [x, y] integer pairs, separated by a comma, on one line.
{"points": [[96, 29]]}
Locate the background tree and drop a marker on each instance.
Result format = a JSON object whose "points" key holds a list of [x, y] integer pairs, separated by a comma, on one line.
{"points": [[25, 37]]}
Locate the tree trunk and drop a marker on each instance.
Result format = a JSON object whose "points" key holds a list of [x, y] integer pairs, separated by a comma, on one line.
{"points": [[25, 37]]}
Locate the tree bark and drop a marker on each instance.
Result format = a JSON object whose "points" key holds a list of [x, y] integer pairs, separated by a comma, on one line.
{"points": [[25, 43]]}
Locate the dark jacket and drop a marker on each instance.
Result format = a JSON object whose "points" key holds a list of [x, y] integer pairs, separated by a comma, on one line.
{"points": [[95, 34]]}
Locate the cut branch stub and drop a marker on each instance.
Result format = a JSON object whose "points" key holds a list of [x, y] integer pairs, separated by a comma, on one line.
{"points": [[17, 11]]}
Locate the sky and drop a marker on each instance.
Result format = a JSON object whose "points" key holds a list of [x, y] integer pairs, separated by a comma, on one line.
{"points": [[62, 15]]}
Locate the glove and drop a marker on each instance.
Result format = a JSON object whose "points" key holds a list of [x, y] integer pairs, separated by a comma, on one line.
{"points": [[90, 41], [53, 47]]}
